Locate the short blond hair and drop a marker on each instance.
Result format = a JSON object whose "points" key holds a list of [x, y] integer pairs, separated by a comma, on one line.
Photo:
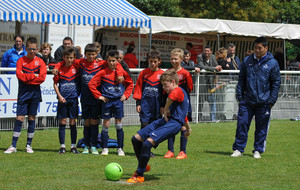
{"points": [[169, 76], [177, 51]]}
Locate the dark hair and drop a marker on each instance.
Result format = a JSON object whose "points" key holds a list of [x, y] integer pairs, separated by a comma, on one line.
{"points": [[230, 45], [207, 46], [90, 48], [261, 40], [69, 51], [20, 36], [154, 54], [112, 53], [68, 39], [189, 44], [186, 52], [31, 40], [97, 44], [130, 48]]}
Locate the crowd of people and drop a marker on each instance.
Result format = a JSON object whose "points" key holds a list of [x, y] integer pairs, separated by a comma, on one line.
{"points": [[162, 97]]}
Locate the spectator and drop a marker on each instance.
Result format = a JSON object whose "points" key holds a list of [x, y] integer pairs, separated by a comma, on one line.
{"points": [[80, 51], [279, 56], [45, 55], [187, 59], [129, 58], [221, 56], [98, 46], [11, 56], [122, 62], [189, 46], [67, 42], [208, 62], [232, 59]]}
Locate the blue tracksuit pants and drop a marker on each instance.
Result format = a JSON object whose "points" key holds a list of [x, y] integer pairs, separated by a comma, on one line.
{"points": [[262, 115]]}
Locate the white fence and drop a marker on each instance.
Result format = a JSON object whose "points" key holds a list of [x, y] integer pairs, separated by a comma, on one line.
{"points": [[287, 106]]}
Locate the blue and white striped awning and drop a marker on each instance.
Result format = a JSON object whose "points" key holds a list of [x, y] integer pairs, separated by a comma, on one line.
{"points": [[118, 13]]}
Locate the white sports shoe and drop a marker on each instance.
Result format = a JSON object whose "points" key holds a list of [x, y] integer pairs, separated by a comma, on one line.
{"points": [[236, 153], [29, 149], [256, 155], [10, 150], [121, 152], [104, 151]]}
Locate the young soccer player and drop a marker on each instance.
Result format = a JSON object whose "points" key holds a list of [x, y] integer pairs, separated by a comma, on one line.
{"points": [[67, 93], [152, 135], [31, 72], [186, 83], [148, 91], [91, 107], [113, 94]]}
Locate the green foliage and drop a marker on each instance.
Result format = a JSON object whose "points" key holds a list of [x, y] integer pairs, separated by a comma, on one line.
{"points": [[208, 166], [292, 51], [158, 7]]}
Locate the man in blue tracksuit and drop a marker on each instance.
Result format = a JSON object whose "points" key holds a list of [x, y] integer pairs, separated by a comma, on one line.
{"points": [[257, 92]]}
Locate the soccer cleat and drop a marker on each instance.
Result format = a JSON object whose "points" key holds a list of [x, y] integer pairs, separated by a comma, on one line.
{"points": [[181, 155], [10, 150], [85, 150], [121, 152], [74, 150], [104, 152], [29, 149], [169, 154], [256, 155], [94, 150], [236, 153], [136, 179], [148, 168], [62, 150]]}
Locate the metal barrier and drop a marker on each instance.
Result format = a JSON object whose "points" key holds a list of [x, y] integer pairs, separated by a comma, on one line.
{"points": [[287, 106]]}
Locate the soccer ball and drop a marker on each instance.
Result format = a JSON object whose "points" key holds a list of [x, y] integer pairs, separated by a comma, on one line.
{"points": [[113, 171]]}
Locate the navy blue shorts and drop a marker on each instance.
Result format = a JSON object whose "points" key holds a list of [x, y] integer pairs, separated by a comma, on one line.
{"points": [[68, 109], [112, 108], [91, 111], [160, 130], [28, 107]]}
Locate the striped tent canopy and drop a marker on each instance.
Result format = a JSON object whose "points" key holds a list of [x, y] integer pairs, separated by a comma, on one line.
{"points": [[118, 13]]}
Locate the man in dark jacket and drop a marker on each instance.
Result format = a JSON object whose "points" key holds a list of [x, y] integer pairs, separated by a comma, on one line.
{"points": [[257, 92], [67, 42]]}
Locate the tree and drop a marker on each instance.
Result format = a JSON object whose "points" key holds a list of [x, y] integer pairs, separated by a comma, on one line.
{"points": [[158, 7]]}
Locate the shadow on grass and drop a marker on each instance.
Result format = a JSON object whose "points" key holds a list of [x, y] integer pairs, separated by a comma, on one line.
{"points": [[225, 153]]}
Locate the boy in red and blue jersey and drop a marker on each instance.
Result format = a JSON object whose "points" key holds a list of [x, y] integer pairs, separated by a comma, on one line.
{"points": [[148, 91], [67, 93], [186, 83], [91, 107], [31, 72], [112, 94], [152, 135]]}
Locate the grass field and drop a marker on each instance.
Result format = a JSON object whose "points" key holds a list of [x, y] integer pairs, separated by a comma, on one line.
{"points": [[208, 166]]}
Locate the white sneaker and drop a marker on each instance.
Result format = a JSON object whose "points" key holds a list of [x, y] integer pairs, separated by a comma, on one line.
{"points": [[121, 152], [256, 155], [10, 150], [104, 151], [236, 153], [29, 149]]}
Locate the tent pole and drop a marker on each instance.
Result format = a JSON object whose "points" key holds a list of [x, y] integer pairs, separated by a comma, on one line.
{"points": [[150, 38], [18, 29], [139, 50], [284, 54], [218, 35]]}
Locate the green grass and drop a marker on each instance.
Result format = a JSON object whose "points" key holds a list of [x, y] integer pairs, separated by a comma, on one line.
{"points": [[209, 165]]}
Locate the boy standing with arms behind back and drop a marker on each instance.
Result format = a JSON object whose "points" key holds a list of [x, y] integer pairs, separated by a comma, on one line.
{"points": [[67, 94], [31, 72]]}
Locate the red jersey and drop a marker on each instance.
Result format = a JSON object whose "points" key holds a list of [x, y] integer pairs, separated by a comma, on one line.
{"points": [[29, 84], [193, 55], [109, 86], [131, 60]]}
